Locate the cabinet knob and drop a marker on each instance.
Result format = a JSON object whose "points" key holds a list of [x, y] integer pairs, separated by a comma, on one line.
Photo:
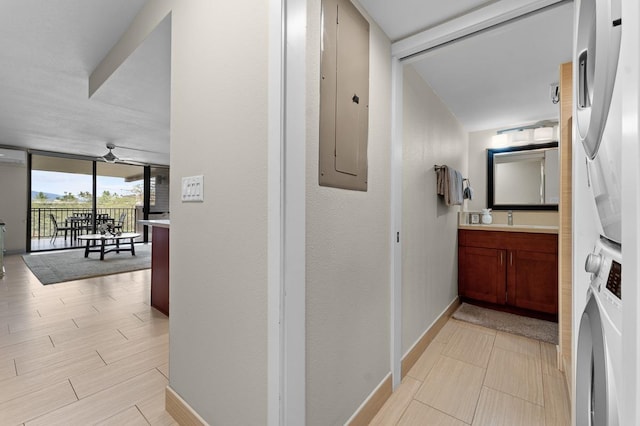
{"points": [[593, 263]]}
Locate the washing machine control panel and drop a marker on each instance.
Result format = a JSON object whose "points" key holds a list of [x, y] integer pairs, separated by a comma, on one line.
{"points": [[614, 281], [605, 265]]}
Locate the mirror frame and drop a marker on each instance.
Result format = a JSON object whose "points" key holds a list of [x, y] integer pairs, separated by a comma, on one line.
{"points": [[490, 178]]}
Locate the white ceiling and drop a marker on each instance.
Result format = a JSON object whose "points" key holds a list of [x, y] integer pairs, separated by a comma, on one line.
{"points": [[499, 78], [403, 18], [49, 48]]}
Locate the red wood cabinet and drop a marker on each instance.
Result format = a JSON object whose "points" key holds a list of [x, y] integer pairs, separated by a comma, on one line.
{"points": [[160, 269], [483, 276], [516, 269]]}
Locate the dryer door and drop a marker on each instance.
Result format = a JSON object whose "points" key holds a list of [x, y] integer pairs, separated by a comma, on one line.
{"points": [[606, 179], [592, 399], [597, 50]]}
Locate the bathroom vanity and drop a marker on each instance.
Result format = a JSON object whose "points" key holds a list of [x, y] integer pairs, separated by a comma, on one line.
{"points": [[510, 267]]}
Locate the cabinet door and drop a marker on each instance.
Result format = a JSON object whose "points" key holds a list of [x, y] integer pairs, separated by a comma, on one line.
{"points": [[482, 274], [533, 281]]}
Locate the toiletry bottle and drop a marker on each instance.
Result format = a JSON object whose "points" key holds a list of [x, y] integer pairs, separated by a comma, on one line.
{"points": [[486, 216]]}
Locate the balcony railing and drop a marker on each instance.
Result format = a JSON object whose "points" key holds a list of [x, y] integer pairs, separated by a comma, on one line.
{"points": [[42, 225]]}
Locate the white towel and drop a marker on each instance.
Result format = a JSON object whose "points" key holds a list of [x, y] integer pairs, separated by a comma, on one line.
{"points": [[455, 190], [449, 185]]}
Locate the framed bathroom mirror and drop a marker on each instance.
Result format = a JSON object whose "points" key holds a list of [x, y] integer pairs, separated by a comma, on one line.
{"points": [[523, 177]]}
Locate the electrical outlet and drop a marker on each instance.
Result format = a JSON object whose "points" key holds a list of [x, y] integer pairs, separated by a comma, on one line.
{"points": [[193, 189]]}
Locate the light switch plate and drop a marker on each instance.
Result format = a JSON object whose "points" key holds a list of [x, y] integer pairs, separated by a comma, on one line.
{"points": [[193, 189]]}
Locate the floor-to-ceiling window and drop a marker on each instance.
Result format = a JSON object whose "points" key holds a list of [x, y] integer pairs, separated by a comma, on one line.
{"points": [[71, 196]]}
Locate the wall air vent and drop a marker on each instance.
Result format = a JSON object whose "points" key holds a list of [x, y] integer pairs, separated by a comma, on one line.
{"points": [[13, 156]]}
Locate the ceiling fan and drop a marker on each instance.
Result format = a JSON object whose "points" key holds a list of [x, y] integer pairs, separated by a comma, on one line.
{"points": [[111, 158]]}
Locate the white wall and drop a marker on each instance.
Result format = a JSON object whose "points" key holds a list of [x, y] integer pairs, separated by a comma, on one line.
{"points": [[218, 327], [347, 254], [479, 142], [13, 206], [431, 135]]}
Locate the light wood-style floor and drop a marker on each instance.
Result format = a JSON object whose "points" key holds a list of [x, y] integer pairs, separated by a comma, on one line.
{"points": [[81, 353], [471, 375]]}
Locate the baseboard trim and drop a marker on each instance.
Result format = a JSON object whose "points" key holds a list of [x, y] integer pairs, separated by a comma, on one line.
{"points": [[567, 377], [418, 348], [370, 407], [15, 252], [180, 410]]}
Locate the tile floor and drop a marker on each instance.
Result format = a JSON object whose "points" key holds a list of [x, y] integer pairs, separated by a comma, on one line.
{"points": [[471, 375], [94, 352], [83, 352]]}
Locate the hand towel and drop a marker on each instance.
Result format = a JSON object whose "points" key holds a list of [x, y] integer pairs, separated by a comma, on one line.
{"points": [[449, 185]]}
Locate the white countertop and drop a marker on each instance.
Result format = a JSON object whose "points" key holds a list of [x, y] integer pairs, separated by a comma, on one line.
{"points": [[536, 229], [160, 223]]}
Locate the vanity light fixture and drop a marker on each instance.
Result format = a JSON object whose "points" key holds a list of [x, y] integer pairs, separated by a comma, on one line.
{"points": [[523, 135], [543, 134], [539, 124], [500, 141]]}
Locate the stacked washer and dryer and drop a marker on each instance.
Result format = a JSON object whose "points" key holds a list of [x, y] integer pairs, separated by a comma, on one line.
{"points": [[597, 215]]}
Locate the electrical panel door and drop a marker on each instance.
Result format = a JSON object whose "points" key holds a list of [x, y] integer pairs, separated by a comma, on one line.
{"points": [[344, 96]]}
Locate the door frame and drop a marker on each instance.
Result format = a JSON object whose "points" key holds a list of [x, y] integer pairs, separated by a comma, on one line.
{"points": [[286, 344], [407, 51]]}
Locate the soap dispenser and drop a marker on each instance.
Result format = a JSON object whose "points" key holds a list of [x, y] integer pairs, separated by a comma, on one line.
{"points": [[486, 216]]}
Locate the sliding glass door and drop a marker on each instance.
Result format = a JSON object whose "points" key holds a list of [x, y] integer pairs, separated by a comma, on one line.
{"points": [[70, 197], [61, 201]]}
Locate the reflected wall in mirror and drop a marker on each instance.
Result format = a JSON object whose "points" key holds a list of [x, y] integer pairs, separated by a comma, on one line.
{"points": [[523, 177]]}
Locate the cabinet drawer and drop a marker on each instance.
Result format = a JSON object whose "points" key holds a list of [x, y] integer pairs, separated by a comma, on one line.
{"points": [[545, 243]]}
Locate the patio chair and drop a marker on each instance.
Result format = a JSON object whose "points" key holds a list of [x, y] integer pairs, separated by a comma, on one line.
{"points": [[57, 229], [102, 218], [120, 223]]}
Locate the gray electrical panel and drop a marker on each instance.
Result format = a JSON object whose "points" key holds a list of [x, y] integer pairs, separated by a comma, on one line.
{"points": [[344, 96]]}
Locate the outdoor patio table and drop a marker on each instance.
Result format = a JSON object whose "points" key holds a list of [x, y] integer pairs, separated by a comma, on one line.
{"points": [[103, 239]]}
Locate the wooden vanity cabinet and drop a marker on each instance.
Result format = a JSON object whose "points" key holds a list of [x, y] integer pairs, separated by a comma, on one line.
{"points": [[482, 274], [515, 269]]}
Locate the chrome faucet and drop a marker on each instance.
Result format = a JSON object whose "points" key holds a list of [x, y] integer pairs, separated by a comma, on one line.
{"points": [[510, 218]]}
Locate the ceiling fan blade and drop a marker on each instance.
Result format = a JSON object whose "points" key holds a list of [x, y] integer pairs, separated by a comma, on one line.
{"points": [[136, 149], [111, 158]]}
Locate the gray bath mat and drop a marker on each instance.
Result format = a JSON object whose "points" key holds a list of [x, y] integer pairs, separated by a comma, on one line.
{"points": [[546, 331]]}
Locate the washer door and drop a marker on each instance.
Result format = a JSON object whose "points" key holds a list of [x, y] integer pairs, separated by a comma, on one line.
{"points": [[597, 50], [592, 373]]}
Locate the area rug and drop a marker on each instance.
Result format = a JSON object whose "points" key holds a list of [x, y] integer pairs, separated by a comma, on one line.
{"points": [[57, 267], [546, 331]]}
